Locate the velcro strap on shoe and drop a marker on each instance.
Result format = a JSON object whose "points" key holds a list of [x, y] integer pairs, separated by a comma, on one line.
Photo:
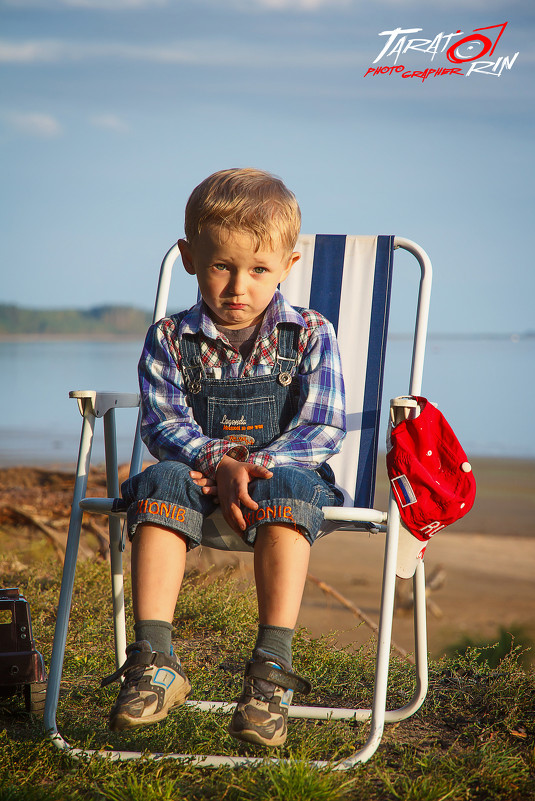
{"points": [[162, 660], [135, 659], [282, 678]]}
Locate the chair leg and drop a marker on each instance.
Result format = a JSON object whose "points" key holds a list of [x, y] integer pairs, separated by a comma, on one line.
{"points": [[420, 636], [116, 559], [384, 643], [67, 581], [116, 539]]}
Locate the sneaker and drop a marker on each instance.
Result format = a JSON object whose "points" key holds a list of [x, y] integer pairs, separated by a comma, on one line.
{"points": [[153, 683], [261, 714]]}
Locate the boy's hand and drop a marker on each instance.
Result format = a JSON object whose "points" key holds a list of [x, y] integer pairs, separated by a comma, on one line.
{"points": [[209, 486], [232, 479]]}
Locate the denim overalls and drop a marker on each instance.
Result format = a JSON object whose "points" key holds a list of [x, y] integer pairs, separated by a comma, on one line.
{"points": [[250, 411]]}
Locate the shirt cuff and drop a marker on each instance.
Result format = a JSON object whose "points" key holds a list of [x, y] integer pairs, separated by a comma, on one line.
{"points": [[208, 460], [263, 458]]}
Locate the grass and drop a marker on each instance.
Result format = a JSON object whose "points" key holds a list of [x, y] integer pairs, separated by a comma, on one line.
{"points": [[513, 638], [473, 740]]}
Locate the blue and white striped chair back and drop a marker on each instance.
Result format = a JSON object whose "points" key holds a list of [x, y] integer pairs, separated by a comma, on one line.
{"points": [[348, 280]]}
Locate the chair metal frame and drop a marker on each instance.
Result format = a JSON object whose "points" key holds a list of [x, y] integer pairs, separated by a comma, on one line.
{"points": [[93, 405]]}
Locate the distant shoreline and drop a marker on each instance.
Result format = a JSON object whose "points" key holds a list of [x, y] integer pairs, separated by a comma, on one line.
{"points": [[104, 337], [107, 336]]}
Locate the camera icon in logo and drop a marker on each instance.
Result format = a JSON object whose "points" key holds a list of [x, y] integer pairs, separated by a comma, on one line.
{"points": [[474, 45]]}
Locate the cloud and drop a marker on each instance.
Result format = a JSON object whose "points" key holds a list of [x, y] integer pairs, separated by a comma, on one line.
{"points": [[28, 52], [194, 52], [93, 5], [109, 122], [359, 5], [299, 5], [40, 51], [43, 126], [114, 5], [292, 6], [129, 5]]}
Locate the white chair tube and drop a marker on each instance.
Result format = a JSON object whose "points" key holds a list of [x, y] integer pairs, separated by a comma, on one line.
{"points": [[160, 310], [420, 633], [69, 570], [422, 313], [164, 282], [383, 645], [115, 526], [136, 462]]}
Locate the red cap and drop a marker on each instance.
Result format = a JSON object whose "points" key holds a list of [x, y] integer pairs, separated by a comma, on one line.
{"points": [[430, 475]]}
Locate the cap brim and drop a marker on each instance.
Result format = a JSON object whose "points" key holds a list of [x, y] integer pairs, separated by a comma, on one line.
{"points": [[410, 551]]}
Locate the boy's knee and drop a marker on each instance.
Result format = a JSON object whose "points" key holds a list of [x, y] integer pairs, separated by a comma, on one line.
{"points": [[277, 531], [286, 482], [163, 480]]}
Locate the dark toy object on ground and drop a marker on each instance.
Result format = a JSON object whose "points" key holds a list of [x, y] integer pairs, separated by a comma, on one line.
{"points": [[22, 668]]}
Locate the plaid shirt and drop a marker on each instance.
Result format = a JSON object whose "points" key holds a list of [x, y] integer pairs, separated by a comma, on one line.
{"points": [[168, 427]]}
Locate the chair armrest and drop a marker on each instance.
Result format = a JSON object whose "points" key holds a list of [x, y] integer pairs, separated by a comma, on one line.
{"points": [[350, 514], [101, 506], [98, 403]]}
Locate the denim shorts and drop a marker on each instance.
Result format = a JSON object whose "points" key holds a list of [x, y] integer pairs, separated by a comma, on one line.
{"points": [[166, 494]]}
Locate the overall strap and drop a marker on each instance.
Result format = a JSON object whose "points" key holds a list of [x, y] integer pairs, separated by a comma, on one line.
{"points": [[287, 351], [191, 362], [288, 340]]}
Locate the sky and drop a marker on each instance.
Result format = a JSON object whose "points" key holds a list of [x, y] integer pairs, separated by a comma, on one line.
{"points": [[111, 111]]}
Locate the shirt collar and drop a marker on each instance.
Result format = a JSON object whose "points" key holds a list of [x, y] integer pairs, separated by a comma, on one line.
{"points": [[279, 311]]}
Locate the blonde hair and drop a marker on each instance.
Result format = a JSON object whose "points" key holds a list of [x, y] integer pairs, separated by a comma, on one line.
{"points": [[247, 201]]}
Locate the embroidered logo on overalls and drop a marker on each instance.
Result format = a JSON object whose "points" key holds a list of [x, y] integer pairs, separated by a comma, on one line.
{"points": [[279, 512], [239, 425], [252, 411]]}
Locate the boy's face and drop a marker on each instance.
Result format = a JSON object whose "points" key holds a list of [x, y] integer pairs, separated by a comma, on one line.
{"points": [[236, 282]]}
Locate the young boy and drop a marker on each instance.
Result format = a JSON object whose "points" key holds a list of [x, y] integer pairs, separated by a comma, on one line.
{"points": [[241, 358]]}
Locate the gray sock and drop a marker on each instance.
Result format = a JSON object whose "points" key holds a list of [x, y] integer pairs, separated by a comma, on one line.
{"points": [[276, 642], [157, 632]]}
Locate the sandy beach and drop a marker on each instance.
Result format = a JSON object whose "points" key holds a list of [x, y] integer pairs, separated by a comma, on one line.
{"points": [[481, 570]]}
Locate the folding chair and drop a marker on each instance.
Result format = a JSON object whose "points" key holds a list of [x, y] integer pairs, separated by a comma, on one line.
{"points": [[348, 279]]}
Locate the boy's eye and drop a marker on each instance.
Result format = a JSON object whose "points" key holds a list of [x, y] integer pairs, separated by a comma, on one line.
{"points": [[220, 266], [260, 270]]}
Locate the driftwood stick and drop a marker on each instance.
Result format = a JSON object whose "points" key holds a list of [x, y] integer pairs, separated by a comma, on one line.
{"points": [[57, 541], [102, 536], [328, 590]]}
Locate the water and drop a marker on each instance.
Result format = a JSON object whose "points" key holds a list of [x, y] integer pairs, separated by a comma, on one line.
{"points": [[483, 386], [39, 423]]}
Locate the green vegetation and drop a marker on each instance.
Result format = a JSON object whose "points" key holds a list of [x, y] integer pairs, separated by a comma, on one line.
{"points": [[101, 321], [473, 740], [513, 638]]}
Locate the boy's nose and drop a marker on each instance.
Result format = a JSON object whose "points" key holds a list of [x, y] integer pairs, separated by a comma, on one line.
{"points": [[236, 284]]}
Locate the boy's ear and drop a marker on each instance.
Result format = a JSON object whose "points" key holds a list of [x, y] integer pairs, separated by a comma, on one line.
{"points": [[291, 261], [187, 258]]}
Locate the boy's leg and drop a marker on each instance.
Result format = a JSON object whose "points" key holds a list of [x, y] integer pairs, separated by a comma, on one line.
{"points": [[281, 557], [165, 510], [158, 562], [292, 501], [281, 562], [153, 677]]}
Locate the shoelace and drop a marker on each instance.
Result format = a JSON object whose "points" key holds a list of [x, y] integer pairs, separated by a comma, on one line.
{"points": [[136, 670], [133, 675], [262, 690]]}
